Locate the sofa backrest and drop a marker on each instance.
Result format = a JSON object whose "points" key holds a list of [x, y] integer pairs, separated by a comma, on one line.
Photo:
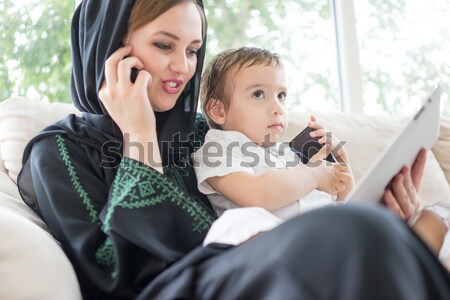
{"points": [[365, 137], [20, 119]]}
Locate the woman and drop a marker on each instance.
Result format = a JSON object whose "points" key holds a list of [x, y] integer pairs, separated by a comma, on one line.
{"points": [[131, 224]]}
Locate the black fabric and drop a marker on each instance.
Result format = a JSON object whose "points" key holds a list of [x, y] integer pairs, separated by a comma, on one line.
{"points": [[349, 253], [97, 31], [72, 172]]}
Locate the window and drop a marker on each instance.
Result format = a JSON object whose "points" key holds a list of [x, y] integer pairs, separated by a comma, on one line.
{"points": [[389, 56], [35, 47], [404, 51], [302, 32]]}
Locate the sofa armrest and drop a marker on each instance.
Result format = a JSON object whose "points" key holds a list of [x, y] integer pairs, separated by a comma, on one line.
{"points": [[32, 264]]}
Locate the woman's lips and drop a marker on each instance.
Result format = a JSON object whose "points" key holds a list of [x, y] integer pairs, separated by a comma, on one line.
{"points": [[172, 86]]}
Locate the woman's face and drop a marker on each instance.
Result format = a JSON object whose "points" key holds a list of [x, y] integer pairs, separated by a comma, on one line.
{"points": [[167, 47]]}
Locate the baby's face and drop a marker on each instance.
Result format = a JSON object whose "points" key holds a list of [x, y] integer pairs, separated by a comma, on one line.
{"points": [[257, 104]]}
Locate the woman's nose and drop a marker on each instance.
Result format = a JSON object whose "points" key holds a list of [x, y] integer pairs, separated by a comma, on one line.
{"points": [[179, 63]]}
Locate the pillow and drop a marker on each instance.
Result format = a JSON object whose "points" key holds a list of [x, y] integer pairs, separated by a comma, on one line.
{"points": [[365, 138], [20, 120], [2, 163], [442, 147], [32, 265]]}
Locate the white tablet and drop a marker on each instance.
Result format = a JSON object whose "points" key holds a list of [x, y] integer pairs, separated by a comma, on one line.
{"points": [[421, 132]]}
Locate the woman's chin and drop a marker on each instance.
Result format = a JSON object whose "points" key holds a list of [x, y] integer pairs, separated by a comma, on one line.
{"points": [[163, 106]]}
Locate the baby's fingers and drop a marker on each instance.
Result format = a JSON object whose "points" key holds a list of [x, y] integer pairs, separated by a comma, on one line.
{"points": [[345, 177]]}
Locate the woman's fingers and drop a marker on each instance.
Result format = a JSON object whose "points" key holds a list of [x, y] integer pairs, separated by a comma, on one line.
{"points": [[112, 62], [410, 189], [143, 80], [391, 202], [124, 69], [403, 196]]}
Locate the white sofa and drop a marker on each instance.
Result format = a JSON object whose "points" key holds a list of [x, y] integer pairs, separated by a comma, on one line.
{"points": [[33, 266]]}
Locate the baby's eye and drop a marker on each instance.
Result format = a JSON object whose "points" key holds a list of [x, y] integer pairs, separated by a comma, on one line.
{"points": [[258, 95], [282, 96]]}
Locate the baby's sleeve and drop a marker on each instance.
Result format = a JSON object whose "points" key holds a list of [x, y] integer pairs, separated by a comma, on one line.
{"points": [[220, 155]]}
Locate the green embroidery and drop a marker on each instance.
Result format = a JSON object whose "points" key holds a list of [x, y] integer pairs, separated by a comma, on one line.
{"points": [[105, 255], [134, 177], [75, 179]]}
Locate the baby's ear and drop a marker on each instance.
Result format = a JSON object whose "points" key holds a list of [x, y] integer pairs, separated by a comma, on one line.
{"points": [[215, 109]]}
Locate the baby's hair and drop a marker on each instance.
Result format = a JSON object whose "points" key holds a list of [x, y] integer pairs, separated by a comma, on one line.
{"points": [[216, 85]]}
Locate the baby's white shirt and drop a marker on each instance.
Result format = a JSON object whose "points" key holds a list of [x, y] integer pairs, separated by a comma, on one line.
{"points": [[226, 152]]}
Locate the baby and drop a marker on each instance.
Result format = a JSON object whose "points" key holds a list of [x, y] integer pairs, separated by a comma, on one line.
{"points": [[242, 162]]}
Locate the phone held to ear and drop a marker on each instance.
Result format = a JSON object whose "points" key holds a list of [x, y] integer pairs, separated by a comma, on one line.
{"points": [[134, 71], [307, 146], [134, 74]]}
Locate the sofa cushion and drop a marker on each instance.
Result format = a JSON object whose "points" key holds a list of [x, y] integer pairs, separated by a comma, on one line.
{"points": [[366, 137], [20, 120], [32, 264], [10, 199], [442, 148]]}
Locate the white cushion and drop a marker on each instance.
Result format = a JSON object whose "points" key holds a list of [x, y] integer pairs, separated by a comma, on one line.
{"points": [[442, 148], [20, 120], [32, 264], [366, 137]]}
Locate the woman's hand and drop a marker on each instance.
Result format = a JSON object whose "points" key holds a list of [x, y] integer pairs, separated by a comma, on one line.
{"points": [[402, 194], [126, 102], [129, 106]]}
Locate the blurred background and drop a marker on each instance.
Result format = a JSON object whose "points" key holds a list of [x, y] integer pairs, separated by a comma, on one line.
{"points": [[365, 56]]}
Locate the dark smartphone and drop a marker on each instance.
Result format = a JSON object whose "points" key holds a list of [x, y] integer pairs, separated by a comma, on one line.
{"points": [[134, 71], [134, 74], [306, 146]]}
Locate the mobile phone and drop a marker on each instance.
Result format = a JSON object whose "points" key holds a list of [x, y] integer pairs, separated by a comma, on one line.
{"points": [[307, 146], [134, 74]]}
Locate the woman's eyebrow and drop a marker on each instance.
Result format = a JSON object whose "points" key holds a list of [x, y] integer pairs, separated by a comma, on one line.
{"points": [[173, 36]]}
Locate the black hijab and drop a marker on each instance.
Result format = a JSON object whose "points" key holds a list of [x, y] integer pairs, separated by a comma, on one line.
{"points": [[98, 28], [96, 34]]}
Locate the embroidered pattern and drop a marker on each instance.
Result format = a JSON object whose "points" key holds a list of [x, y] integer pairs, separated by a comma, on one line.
{"points": [[76, 180], [137, 186], [105, 253]]}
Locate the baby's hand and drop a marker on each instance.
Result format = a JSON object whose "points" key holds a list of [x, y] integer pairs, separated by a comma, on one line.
{"points": [[345, 176], [326, 138], [331, 178]]}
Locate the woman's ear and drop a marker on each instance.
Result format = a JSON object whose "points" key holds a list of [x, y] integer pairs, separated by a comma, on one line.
{"points": [[216, 111]]}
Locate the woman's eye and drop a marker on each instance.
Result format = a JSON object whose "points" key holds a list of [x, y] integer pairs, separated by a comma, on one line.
{"points": [[162, 46], [258, 95], [191, 52]]}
